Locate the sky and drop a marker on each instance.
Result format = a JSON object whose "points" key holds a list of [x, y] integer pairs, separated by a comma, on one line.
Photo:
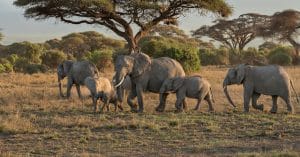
{"points": [[16, 28]]}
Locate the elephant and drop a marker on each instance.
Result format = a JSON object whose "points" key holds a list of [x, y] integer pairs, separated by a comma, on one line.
{"points": [[101, 88], [190, 86], [146, 75], [76, 72], [268, 80]]}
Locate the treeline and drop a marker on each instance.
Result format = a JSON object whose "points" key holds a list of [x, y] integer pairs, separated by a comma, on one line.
{"points": [[31, 58]]}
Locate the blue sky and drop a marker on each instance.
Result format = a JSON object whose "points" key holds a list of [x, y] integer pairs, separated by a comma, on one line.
{"points": [[16, 28]]}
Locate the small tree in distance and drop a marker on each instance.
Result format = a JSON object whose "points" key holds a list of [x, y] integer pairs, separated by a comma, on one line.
{"points": [[120, 16]]}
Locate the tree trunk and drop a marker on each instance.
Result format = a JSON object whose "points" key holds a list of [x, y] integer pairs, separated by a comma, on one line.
{"points": [[296, 58], [132, 45]]}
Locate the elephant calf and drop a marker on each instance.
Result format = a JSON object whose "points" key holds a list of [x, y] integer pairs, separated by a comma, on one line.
{"points": [[190, 86], [101, 88]]}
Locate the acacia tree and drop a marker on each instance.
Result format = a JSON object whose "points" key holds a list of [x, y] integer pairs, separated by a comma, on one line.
{"points": [[283, 26], [120, 16], [234, 34]]}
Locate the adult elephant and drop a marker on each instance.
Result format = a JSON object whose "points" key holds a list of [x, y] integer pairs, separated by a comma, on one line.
{"points": [[269, 80], [145, 75], [76, 72]]}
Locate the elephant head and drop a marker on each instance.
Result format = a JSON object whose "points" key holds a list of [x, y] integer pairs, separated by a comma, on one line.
{"points": [[234, 76], [171, 85], [133, 65], [62, 71]]}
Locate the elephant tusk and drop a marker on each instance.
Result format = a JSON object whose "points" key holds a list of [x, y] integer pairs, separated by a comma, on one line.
{"points": [[119, 84]]}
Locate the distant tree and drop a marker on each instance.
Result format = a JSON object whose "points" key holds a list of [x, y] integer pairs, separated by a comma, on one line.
{"points": [[234, 34], [52, 58], [283, 26], [267, 46], [167, 31], [120, 16], [1, 36]]}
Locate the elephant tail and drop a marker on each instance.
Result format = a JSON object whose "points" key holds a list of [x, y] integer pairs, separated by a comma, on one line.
{"points": [[212, 96], [292, 85]]}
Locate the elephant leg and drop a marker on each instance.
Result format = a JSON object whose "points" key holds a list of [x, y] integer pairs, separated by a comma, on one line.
{"points": [[255, 97], [178, 104], [274, 106], [162, 102], [139, 92], [78, 91], [208, 98], [95, 104], [290, 107], [69, 87], [247, 97], [198, 104], [130, 98], [184, 104]]}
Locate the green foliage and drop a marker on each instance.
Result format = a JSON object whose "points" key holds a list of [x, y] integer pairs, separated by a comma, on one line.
{"points": [[184, 51], [281, 55], [214, 56], [187, 57], [28, 50], [101, 58], [52, 58], [6, 66]]}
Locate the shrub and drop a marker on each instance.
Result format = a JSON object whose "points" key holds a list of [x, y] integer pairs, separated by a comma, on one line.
{"points": [[183, 51], [187, 57], [214, 57], [6, 66], [280, 58], [101, 58], [35, 68], [253, 56], [281, 55], [53, 58]]}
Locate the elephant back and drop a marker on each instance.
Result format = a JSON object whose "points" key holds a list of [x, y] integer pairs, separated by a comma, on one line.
{"points": [[82, 69], [161, 69]]}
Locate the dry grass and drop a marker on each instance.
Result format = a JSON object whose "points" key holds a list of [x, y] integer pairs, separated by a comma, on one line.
{"points": [[35, 121]]}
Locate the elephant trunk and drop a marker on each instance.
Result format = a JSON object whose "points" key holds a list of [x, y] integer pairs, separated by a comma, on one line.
{"points": [[226, 93]]}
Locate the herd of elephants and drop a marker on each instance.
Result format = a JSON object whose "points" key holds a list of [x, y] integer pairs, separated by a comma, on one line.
{"points": [[137, 73]]}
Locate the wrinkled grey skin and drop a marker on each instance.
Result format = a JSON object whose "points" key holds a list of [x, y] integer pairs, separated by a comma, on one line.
{"points": [[101, 88], [268, 80], [75, 72], [124, 88], [192, 87], [145, 75]]}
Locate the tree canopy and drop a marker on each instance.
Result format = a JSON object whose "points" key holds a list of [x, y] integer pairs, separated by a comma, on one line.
{"points": [[121, 16], [234, 34]]}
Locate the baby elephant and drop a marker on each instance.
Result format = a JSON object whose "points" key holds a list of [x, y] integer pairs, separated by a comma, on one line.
{"points": [[101, 88], [190, 86]]}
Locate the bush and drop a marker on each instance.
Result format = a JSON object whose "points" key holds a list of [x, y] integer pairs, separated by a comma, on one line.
{"points": [[253, 56], [214, 57], [101, 58], [187, 57], [6, 66], [183, 51], [20, 64], [281, 55], [35, 68], [53, 58], [280, 58]]}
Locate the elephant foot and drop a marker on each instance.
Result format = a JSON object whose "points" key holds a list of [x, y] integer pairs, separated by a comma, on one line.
{"points": [[211, 110], [273, 111], [196, 108], [140, 111], [259, 107], [159, 109], [178, 110]]}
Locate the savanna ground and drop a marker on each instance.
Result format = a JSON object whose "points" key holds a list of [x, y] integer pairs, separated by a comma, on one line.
{"points": [[34, 120]]}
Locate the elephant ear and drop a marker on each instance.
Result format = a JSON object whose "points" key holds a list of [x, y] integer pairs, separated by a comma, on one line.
{"points": [[241, 72], [141, 63], [177, 83]]}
